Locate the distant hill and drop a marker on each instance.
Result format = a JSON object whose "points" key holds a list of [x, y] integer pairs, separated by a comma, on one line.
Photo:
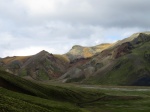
{"points": [[126, 62], [78, 51]]}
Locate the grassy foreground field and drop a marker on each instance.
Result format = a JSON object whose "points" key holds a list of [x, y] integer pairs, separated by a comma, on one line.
{"points": [[19, 95], [139, 103]]}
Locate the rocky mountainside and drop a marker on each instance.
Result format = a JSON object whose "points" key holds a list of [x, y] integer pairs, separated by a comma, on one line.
{"points": [[126, 62], [45, 66], [41, 66]]}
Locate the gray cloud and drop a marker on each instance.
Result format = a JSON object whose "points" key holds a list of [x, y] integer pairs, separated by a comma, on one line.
{"points": [[27, 26]]}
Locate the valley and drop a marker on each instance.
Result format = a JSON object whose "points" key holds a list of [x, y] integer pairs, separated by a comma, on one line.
{"points": [[74, 55], [52, 97], [104, 78]]}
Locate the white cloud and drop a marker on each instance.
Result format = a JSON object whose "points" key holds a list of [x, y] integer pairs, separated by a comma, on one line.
{"points": [[58, 38], [26, 51], [28, 26], [5, 36], [39, 7], [54, 8]]}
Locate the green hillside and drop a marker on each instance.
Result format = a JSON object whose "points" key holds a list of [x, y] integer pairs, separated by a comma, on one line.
{"points": [[130, 69], [16, 102], [20, 95], [17, 94]]}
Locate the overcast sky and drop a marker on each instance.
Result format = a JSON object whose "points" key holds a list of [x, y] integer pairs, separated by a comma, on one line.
{"points": [[29, 26]]}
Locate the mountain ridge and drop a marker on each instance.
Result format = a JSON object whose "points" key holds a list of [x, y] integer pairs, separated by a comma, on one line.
{"points": [[94, 65]]}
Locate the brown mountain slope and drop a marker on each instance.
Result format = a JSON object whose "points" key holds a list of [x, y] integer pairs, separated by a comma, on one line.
{"points": [[13, 64], [45, 66], [42, 66]]}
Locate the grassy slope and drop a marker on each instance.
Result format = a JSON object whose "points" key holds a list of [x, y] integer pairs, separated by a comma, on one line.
{"points": [[128, 69], [62, 57], [46, 98], [50, 98], [17, 102], [8, 60], [49, 92]]}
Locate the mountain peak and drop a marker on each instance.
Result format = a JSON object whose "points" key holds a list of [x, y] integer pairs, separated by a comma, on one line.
{"points": [[43, 51], [77, 46]]}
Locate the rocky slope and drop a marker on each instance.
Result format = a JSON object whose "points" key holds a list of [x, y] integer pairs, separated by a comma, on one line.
{"points": [[126, 62], [42, 66], [46, 66]]}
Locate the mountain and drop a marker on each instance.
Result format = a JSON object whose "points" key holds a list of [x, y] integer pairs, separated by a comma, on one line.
{"points": [[126, 62], [78, 51], [41, 66], [46, 66], [13, 64]]}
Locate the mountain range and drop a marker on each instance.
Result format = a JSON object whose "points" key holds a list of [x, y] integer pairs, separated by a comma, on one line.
{"points": [[125, 62]]}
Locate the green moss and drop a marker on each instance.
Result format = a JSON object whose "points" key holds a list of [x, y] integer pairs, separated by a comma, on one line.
{"points": [[42, 75]]}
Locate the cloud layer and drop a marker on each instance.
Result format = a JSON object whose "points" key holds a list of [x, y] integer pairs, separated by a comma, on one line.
{"points": [[28, 26]]}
